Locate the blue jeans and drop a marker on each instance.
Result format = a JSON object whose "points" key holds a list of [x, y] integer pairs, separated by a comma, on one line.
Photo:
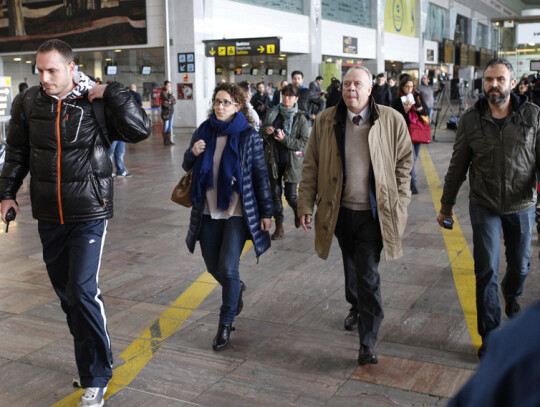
{"points": [[167, 124], [116, 153], [416, 151], [517, 231], [222, 241]]}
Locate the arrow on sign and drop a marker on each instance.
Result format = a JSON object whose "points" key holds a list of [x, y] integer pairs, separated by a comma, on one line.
{"points": [[260, 49], [212, 51]]}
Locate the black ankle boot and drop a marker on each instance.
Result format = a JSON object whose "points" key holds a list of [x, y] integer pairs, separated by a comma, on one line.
{"points": [[222, 337], [240, 301]]}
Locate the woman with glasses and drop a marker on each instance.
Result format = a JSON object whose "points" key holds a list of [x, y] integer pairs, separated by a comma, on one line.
{"points": [[285, 133], [167, 111], [231, 197], [411, 107]]}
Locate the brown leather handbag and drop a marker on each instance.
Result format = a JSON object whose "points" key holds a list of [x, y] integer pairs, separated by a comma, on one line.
{"points": [[182, 191]]}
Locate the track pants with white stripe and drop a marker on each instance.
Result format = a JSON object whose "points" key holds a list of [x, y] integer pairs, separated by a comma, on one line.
{"points": [[72, 254]]}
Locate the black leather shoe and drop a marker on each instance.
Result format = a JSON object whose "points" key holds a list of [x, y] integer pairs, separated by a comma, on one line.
{"points": [[366, 356], [351, 321], [222, 337], [512, 309], [240, 301]]}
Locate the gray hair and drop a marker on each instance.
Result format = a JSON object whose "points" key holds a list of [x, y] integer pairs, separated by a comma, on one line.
{"points": [[360, 68]]}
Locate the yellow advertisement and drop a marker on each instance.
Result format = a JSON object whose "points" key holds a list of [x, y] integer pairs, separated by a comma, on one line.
{"points": [[399, 17], [330, 70]]}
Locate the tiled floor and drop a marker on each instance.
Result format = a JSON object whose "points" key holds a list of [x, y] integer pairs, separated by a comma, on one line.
{"points": [[289, 347]]}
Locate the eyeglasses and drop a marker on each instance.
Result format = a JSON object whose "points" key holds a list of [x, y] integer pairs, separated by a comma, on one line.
{"points": [[225, 103], [288, 95]]}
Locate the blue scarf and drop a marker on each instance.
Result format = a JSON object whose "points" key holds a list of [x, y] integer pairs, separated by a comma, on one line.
{"points": [[230, 176]]}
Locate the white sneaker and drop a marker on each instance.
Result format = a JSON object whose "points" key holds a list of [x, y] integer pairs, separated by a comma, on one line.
{"points": [[93, 397]]}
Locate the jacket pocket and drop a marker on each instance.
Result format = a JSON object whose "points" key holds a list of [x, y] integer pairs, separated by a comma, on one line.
{"points": [[97, 190]]}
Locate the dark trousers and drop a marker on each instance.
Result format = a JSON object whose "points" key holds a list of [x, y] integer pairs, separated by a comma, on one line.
{"points": [[277, 191], [360, 240], [222, 242], [72, 254]]}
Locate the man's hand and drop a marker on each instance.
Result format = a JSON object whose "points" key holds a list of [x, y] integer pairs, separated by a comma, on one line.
{"points": [[266, 223], [305, 220], [6, 205], [96, 92], [441, 218]]}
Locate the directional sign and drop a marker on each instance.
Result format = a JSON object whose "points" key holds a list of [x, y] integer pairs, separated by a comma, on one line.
{"points": [[186, 62], [242, 46]]}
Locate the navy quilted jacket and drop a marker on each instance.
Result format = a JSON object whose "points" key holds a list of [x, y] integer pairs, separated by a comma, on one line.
{"points": [[256, 197]]}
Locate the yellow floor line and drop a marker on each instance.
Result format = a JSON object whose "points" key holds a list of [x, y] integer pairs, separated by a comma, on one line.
{"points": [[142, 350], [459, 254]]}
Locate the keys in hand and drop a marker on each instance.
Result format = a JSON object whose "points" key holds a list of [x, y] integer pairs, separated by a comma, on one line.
{"points": [[10, 216]]}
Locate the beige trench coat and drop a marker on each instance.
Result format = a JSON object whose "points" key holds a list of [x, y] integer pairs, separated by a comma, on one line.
{"points": [[322, 175]]}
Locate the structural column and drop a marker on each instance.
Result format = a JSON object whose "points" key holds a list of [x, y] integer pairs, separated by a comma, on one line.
{"points": [[310, 63], [379, 33], [190, 23]]}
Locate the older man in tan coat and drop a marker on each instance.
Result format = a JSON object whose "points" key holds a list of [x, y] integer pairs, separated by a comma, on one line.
{"points": [[357, 172]]}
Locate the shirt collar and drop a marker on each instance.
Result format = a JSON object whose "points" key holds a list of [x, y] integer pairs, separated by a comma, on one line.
{"points": [[364, 114]]}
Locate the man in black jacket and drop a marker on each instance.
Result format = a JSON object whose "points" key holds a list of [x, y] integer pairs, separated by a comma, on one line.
{"points": [[56, 137], [381, 91], [498, 146], [261, 101], [308, 101]]}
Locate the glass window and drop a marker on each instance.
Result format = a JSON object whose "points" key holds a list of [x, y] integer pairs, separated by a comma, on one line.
{"points": [[437, 22], [292, 6], [462, 30], [355, 12], [482, 36]]}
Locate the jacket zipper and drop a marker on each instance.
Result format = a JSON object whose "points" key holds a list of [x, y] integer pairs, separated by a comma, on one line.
{"points": [[58, 161]]}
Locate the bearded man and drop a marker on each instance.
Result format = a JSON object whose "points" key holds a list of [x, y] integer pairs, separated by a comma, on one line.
{"points": [[497, 142]]}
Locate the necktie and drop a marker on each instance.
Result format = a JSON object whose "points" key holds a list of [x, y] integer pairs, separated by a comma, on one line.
{"points": [[356, 119]]}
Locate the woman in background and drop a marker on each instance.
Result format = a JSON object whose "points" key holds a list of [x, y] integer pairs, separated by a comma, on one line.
{"points": [[411, 112], [286, 134]]}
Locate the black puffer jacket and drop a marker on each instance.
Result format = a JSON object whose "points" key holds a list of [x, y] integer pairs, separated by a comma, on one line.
{"points": [[62, 147], [256, 197]]}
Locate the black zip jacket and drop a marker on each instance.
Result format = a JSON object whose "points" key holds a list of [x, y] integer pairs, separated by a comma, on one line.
{"points": [[62, 146]]}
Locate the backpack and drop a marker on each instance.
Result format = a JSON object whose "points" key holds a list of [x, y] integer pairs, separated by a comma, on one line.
{"points": [[98, 106]]}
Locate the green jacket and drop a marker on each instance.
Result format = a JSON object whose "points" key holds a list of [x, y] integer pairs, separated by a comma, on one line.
{"points": [[502, 164], [296, 143]]}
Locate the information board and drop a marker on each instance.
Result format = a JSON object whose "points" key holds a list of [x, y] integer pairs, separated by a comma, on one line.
{"points": [[5, 95], [242, 46]]}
